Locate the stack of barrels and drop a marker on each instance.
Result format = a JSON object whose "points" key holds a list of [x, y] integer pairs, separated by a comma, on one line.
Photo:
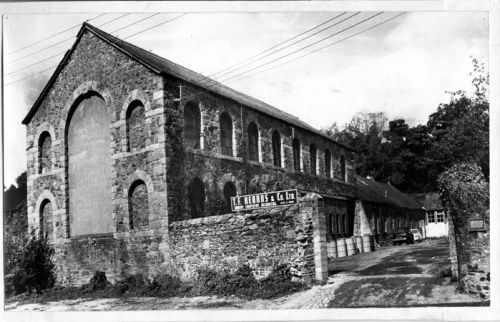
{"points": [[350, 246]]}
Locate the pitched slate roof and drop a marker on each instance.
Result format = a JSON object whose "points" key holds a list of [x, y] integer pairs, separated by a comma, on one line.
{"points": [[161, 65], [378, 192]]}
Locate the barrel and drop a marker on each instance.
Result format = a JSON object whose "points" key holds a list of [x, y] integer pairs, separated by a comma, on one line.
{"points": [[341, 250], [368, 245], [358, 244], [331, 248], [349, 245]]}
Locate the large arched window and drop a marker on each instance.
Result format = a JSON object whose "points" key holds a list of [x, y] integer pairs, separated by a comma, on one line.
{"points": [[342, 169], [226, 134], [277, 148], [253, 142], [138, 205], [313, 153], [44, 152], [196, 198], [296, 154], [88, 168], [46, 228], [328, 163], [229, 191], [192, 125], [136, 134]]}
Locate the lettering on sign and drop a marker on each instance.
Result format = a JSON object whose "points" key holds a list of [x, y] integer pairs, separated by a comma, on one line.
{"points": [[476, 225], [264, 200]]}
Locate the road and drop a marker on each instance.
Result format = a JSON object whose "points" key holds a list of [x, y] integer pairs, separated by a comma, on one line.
{"points": [[394, 276]]}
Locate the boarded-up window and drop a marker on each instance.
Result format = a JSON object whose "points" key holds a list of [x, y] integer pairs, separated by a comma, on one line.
{"points": [[313, 152], [253, 142], [138, 206], [192, 125], [328, 163], [229, 191], [44, 152], [196, 198], [342, 169], [89, 175], [296, 154], [46, 226], [136, 133], [277, 148], [226, 134]]}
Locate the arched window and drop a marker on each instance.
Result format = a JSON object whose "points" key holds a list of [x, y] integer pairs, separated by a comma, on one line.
{"points": [[253, 142], [342, 168], [196, 198], [296, 154], [138, 205], [313, 152], [46, 228], [226, 134], [328, 163], [277, 148], [192, 125], [44, 152], [229, 191], [136, 134], [88, 168]]}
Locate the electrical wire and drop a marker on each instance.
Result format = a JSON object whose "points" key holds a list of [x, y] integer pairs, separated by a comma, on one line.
{"points": [[277, 45], [305, 47], [318, 49], [60, 42], [53, 35]]}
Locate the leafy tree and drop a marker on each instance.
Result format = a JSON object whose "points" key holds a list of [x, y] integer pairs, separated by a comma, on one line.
{"points": [[364, 134]]}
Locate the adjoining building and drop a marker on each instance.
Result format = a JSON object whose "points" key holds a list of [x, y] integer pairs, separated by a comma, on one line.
{"points": [[133, 160], [436, 221], [384, 210]]}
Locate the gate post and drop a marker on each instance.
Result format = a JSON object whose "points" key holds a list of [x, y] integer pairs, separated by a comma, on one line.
{"points": [[319, 238]]}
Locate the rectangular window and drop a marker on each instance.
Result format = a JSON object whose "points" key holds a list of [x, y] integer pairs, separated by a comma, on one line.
{"points": [[440, 217], [430, 218]]}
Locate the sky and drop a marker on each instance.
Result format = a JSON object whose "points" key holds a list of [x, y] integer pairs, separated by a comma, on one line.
{"points": [[403, 67]]}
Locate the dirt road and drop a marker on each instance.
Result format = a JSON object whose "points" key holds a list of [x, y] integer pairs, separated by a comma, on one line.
{"points": [[396, 276]]}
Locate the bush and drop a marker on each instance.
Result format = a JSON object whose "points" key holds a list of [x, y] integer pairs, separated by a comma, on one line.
{"points": [[29, 265], [243, 283], [97, 282]]}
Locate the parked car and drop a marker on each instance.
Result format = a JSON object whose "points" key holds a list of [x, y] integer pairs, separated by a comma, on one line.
{"points": [[415, 236], [408, 236]]}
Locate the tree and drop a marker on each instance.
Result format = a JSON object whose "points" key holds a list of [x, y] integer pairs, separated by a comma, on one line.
{"points": [[364, 134]]}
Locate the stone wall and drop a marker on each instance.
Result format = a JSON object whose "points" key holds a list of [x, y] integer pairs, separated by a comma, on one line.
{"points": [[263, 239]]}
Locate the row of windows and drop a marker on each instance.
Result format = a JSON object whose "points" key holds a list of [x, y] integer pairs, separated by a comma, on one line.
{"points": [[339, 225], [436, 217], [192, 136]]}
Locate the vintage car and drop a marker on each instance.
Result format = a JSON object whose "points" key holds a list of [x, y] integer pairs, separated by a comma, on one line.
{"points": [[415, 236], [409, 236]]}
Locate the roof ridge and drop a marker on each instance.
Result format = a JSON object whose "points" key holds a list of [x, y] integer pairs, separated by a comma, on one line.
{"points": [[162, 65]]}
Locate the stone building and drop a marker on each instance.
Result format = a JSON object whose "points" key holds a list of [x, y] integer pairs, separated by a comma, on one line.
{"points": [[132, 160]]}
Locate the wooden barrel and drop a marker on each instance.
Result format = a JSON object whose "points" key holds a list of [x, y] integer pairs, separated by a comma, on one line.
{"points": [[358, 245], [349, 245], [341, 250], [331, 248], [368, 245]]}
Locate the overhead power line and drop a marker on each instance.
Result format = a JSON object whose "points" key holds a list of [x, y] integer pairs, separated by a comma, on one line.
{"points": [[60, 42], [53, 35], [149, 28], [289, 45], [162, 23], [323, 47], [62, 52], [277, 45], [305, 47]]}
